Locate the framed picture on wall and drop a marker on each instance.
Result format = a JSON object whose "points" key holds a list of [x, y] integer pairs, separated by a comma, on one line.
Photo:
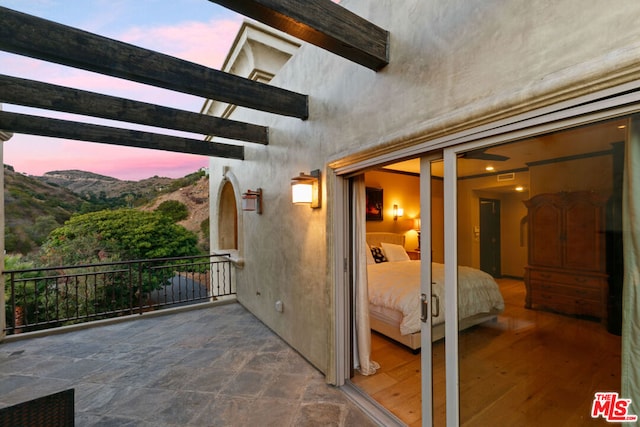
{"points": [[374, 204]]}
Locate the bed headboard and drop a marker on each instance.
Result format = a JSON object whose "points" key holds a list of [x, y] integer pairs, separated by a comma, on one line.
{"points": [[376, 238]]}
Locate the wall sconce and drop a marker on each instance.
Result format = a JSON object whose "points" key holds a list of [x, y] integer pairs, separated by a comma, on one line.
{"points": [[397, 212], [305, 189], [252, 201]]}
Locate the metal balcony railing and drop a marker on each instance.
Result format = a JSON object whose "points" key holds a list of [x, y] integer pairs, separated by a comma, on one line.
{"points": [[42, 298]]}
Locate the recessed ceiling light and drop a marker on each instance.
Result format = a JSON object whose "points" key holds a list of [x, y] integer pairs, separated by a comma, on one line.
{"points": [[622, 127], [489, 168], [519, 188]]}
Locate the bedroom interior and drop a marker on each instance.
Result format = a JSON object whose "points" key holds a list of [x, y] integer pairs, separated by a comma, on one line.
{"points": [[557, 271]]}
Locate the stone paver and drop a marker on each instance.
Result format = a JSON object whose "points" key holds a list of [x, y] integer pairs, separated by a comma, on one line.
{"points": [[217, 366]]}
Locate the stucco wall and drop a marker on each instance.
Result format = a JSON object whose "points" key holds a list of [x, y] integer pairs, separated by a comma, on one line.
{"points": [[454, 65]]}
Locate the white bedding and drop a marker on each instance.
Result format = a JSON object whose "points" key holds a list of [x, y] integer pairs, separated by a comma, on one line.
{"points": [[396, 285]]}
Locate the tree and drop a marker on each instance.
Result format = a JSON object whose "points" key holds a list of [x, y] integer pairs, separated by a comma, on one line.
{"points": [[42, 227], [204, 227], [20, 297], [122, 234], [173, 209], [109, 236]]}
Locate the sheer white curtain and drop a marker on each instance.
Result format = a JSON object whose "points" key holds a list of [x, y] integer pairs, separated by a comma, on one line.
{"points": [[631, 284], [362, 353]]}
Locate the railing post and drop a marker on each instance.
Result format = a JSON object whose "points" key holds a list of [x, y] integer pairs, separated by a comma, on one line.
{"points": [[140, 275], [212, 291], [3, 318], [13, 309], [214, 274], [130, 287], [232, 278]]}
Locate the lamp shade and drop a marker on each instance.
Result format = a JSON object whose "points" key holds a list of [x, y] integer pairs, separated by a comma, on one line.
{"points": [[305, 189], [398, 212], [252, 201], [301, 192]]}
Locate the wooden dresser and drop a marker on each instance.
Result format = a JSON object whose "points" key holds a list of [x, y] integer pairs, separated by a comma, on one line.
{"points": [[566, 272]]}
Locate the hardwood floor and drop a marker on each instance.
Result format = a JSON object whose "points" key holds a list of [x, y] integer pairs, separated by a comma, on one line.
{"points": [[527, 368]]}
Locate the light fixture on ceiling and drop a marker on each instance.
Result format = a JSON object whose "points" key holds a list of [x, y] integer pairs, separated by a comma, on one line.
{"points": [[489, 168], [252, 201], [397, 212], [305, 189], [519, 188]]}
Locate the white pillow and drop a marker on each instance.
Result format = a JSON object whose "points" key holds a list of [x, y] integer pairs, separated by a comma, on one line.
{"points": [[394, 253], [370, 259]]}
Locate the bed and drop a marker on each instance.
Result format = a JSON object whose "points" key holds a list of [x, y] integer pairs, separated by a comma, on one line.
{"points": [[394, 294]]}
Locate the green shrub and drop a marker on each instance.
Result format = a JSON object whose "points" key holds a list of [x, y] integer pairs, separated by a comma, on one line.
{"points": [[173, 209], [124, 234]]}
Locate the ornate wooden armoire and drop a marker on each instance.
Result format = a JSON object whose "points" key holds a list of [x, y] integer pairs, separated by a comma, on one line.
{"points": [[566, 272]]}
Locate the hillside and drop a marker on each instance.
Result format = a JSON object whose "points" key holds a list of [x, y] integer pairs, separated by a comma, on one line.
{"points": [[32, 208], [36, 205], [196, 197], [88, 183]]}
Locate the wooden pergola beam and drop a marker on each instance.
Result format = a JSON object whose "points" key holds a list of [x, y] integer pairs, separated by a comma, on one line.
{"points": [[31, 93], [42, 39], [56, 128], [322, 23]]}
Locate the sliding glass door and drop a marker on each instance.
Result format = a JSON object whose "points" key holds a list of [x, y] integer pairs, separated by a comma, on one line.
{"points": [[532, 339], [533, 343]]}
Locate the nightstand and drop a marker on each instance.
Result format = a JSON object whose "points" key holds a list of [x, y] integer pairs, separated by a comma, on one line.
{"points": [[414, 255]]}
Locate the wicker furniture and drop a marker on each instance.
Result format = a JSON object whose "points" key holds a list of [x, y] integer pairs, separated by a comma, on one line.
{"points": [[54, 410]]}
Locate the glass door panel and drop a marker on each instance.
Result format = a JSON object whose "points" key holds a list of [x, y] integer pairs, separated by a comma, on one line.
{"points": [[403, 382], [533, 343], [432, 288]]}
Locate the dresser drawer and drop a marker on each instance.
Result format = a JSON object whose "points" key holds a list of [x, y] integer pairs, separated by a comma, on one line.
{"points": [[567, 305], [567, 278], [590, 293]]}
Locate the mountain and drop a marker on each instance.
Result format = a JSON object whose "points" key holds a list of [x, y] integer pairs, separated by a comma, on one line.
{"points": [[89, 183], [35, 205]]}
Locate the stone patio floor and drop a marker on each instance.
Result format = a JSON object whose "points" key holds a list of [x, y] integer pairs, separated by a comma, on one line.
{"points": [[214, 366]]}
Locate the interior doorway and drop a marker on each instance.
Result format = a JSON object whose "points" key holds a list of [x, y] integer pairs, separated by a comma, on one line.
{"points": [[489, 235]]}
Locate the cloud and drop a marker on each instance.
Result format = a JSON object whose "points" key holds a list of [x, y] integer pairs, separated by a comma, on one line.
{"points": [[205, 43], [37, 155]]}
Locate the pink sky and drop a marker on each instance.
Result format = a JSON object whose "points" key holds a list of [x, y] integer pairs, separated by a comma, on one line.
{"points": [[203, 42]]}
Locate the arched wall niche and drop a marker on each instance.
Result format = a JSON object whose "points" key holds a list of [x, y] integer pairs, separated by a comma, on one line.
{"points": [[228, 218], [226, 229]]}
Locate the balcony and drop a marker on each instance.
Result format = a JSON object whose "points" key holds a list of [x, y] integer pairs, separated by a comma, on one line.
{"points": [[157, 343], [216, 365]]}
